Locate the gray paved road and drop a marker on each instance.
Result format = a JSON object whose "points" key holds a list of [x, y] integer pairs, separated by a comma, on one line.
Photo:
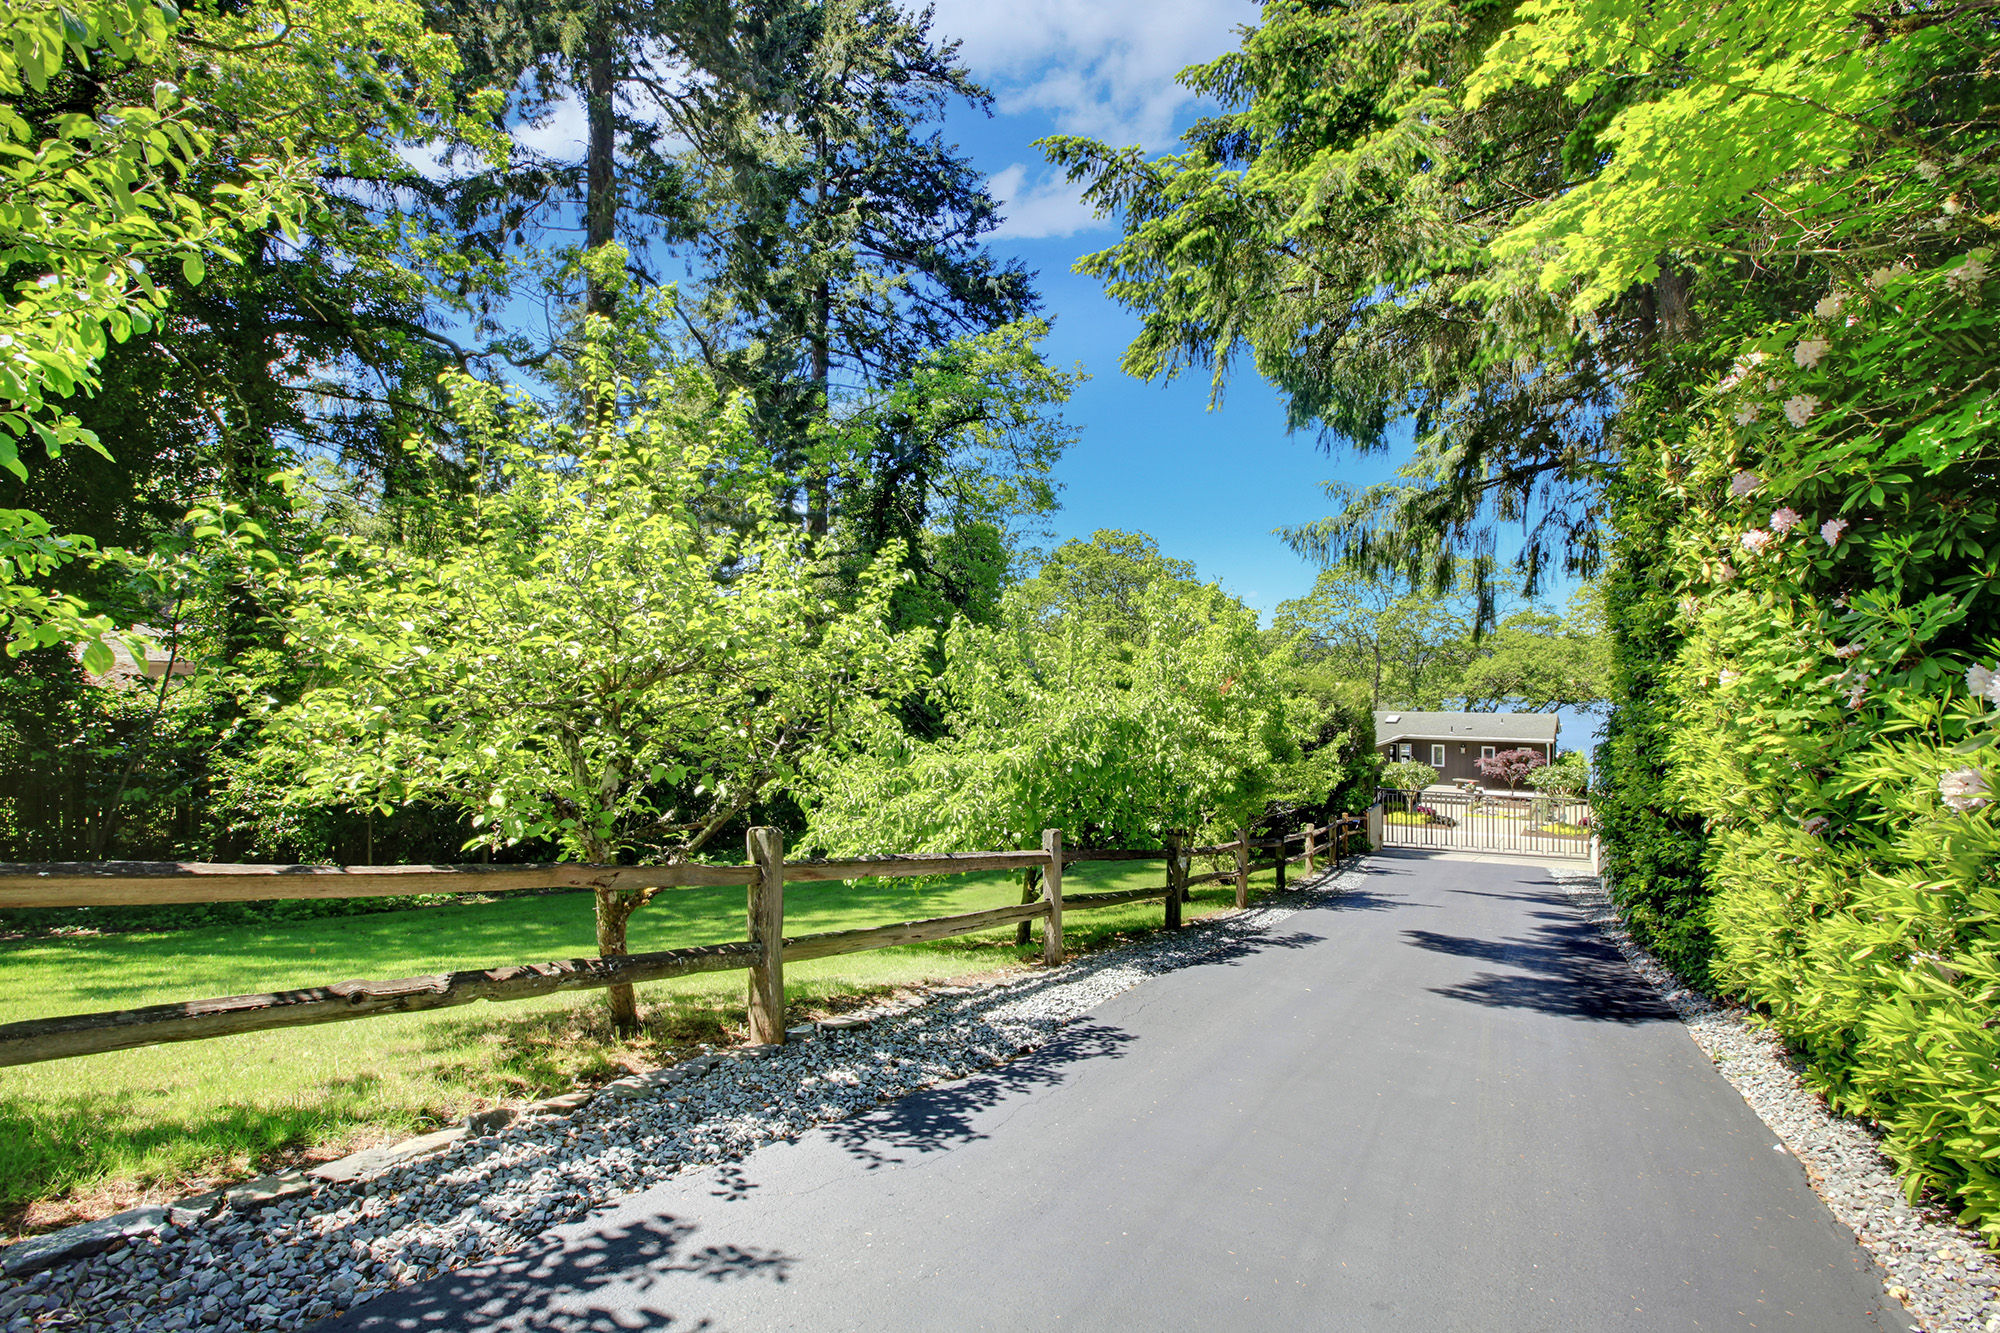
{"points": [[1442, 1103]]}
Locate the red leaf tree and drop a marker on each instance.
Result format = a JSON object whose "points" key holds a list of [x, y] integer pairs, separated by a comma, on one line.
{"points": [[1509, 766]]}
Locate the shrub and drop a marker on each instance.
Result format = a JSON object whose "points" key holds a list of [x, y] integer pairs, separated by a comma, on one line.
{"points": [[1408, 775], [1569, 775]]}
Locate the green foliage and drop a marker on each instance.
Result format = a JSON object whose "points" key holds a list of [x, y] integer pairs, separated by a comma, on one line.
{"points": [[1408, 775], [599, 659], [1804, 530], [1405, 646], [1569, 775], [1533, 661], [1116, 699], [621, 649], [143, 143], [1336, 769]]}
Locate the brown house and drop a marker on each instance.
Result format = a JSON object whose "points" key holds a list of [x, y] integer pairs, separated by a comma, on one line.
{"points": [[1450, 742]]}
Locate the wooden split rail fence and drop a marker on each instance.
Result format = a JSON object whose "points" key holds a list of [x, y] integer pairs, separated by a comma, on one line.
{"points": [[763, 954]]}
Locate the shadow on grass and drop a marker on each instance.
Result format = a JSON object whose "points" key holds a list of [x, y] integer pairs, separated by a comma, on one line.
{"points": [[611, 1278]]}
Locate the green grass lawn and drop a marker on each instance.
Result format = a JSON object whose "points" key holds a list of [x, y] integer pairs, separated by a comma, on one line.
{"points": [[86, 1136]]}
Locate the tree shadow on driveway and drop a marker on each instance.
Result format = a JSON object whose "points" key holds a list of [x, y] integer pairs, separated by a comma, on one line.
{"points": [[611, 1279], [1564, 967]]}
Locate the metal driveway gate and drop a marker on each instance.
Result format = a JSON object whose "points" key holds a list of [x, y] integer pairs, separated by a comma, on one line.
{"points": [[1528, 822]]}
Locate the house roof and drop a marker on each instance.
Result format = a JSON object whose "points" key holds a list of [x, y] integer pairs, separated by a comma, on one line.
{"points": [[1490, 728]]}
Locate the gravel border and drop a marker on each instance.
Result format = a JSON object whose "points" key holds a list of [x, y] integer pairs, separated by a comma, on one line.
{"points": [[307, 1256], [1941, 1272]]}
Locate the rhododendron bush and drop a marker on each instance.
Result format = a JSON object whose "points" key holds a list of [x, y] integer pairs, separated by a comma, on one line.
{"points": [[1801, 797]]}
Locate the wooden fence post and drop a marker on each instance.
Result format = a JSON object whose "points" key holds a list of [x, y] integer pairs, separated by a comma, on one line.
{"points": [[1311, 847], [1177, 878], [767, 930], [1242, 867], [1052, 948], [1283, 847]]}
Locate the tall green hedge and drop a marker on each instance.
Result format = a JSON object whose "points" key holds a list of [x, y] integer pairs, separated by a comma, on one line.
{"points": [[1653, 840]]}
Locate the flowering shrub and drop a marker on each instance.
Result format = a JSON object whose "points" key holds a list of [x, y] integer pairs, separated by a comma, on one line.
{"points": [[1800, 807]]}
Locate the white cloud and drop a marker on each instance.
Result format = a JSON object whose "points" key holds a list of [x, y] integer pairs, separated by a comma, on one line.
{"points": [[1098, 67], [1046, 207], [559, 134]]}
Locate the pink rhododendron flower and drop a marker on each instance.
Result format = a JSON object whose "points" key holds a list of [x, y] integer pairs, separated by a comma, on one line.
{"points": [[1856, 693], [1743, 483], [1983, 683], [1746, 414], [1724, 572], [1785, 519], [1809, 352], [1817, 825], [1830, 530], [1800, 407], [1755, 540], [1847, 651], [1828, 306], [1963, 789]]}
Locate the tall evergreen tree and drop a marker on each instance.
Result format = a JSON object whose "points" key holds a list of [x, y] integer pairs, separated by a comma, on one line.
{"points": [[843, 244]]}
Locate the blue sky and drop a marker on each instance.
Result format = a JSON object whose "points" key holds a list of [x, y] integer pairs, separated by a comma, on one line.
{"points": [[1209, 485]]}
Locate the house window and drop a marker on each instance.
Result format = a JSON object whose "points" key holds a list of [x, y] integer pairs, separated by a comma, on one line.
{"points": [[1485, 752], [1406, 750], [1437, 756]]}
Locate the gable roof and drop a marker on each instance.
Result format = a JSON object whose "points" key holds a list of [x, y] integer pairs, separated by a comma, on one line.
{"points": [[1491, 728]]}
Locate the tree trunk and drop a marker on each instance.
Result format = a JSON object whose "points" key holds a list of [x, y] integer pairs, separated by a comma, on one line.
{"points": [[600, 224], [613, 912], [600, 207], [819, 487], [1031, 889]]}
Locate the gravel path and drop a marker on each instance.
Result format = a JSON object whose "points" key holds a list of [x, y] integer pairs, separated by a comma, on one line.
{"points": [[1940, 1270], [301, 1261]]}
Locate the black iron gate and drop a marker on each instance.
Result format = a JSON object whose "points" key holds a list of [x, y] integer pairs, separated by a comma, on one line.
{"points": [[1478, 821]]}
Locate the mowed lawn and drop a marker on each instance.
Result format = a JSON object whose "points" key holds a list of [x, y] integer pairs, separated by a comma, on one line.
{"points": [[85, 1136]]}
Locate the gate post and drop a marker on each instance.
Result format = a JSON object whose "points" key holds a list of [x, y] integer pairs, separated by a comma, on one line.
{"points": [[1375, 824], [1310, 831]]}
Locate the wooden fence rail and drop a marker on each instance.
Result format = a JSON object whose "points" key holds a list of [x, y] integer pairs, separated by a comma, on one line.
{"points": [[763, 954]]}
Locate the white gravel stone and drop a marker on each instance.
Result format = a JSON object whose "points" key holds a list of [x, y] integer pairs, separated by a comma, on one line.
{"points": [[1939, 1270]]}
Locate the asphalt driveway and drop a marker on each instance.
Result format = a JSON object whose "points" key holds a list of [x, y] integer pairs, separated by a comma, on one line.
{"points": [[1440, 1102]]}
